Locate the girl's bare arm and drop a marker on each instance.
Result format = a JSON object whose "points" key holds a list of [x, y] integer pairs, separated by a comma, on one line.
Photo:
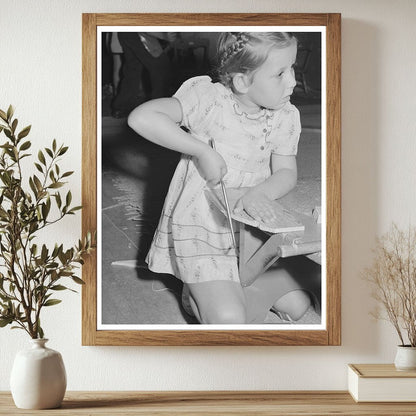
{"points": [[157, 121], [283, 179], [257, 200]]}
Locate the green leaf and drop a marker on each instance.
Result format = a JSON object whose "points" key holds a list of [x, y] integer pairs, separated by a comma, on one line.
{"points": [[5, 321], [37, 182], [45, 211], [52, 265], [40, 332], [33, 187], [44, 253], [77, 208], [68, 199], [24, 132], [54, 145], [62, 257], [8, 133], [55, 251], [34, 249], [60, 249], [51, 302], [67, 174], [39, 167], [43, 290], [41, 157], [59, 287], [56, 185], [33, 227], [58, 199], [63, 150], [3, 115], [14, 125], [10, 112], [5, 179], [49, 152], [76, 279], [25, 145]]}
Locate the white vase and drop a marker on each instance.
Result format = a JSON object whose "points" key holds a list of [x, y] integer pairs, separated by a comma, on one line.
{"points": [[405, 358], [38, 377]]}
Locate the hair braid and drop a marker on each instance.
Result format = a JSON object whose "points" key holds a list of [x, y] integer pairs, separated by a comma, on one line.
{"points": [[246, 51], [241, 39]]}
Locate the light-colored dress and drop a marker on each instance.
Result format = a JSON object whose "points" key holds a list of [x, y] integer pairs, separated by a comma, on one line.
{"points": [[192, 240]]}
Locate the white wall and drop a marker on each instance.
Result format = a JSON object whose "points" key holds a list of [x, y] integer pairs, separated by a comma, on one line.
{"points": [[40, 73]]}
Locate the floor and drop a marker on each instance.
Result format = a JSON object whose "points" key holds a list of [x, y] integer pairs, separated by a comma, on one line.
{"points": [[135, 178]]}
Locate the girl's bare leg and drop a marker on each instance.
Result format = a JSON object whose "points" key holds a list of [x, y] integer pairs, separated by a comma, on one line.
{"points": [[280, 288], [294, 304], [218, 302], [285, 287]]}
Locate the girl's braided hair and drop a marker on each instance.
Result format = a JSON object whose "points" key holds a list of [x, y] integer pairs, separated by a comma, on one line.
{"points": [[244, 52]]}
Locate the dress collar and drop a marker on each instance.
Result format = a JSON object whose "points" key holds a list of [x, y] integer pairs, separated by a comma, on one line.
{"points": [[258, 115]]}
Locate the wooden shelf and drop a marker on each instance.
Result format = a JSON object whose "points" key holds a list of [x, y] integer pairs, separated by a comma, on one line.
{"points": [[270, 403]]}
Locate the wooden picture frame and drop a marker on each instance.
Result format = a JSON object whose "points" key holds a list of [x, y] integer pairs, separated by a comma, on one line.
{"points": [[330, 334]]}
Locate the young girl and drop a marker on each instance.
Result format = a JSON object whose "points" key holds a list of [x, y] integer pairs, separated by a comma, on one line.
{"points": [[256, 131]]}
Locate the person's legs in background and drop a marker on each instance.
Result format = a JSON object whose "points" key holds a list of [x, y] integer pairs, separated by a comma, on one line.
{"points": [[129, 94], [137, 58]]}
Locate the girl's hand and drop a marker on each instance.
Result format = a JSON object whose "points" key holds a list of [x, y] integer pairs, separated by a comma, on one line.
{"points": [[211, 166], [258, 205]]}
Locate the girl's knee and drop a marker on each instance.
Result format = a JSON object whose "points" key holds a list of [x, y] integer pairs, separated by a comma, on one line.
{"points": [[219, 302], [295, 304], [225, 315]]}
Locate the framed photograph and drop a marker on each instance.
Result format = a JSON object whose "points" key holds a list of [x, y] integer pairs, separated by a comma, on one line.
{"points": [[211, 172]]}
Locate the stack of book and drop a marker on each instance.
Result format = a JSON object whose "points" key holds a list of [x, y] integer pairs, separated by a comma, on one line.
{"points": [[381, 383]]}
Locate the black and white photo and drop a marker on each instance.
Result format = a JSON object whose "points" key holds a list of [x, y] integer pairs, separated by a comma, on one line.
{"points": [[212, 180]]}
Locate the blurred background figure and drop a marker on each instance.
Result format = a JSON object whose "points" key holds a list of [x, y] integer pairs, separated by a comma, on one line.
{"points": [[112, 56], [106, 68], [117, 55], [146, 69]]}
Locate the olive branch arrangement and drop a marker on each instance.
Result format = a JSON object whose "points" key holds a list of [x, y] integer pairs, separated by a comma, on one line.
{"points": [[30, 273], [393, 278]]}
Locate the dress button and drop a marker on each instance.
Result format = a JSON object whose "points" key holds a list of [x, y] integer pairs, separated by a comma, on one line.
{"points": [[264, 130], [261, 147]]}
